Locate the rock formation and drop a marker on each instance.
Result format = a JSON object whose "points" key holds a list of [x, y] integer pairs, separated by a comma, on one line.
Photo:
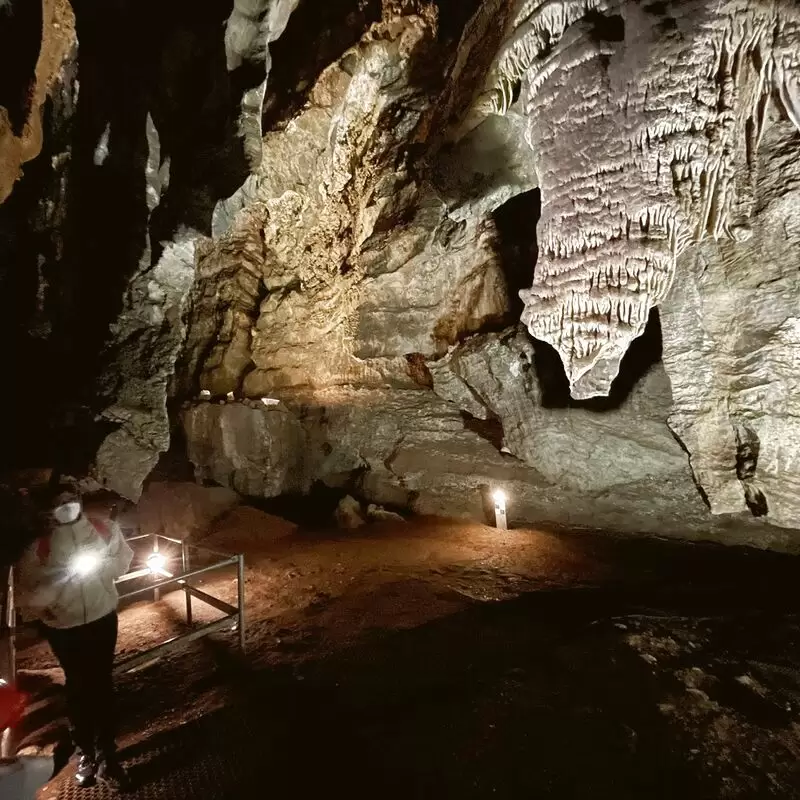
{"points": [[365, 216], [731, 334], [645, 121]]}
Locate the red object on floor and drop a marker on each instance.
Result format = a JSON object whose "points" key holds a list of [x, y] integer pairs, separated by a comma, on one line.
{"points": [[12, 706]]}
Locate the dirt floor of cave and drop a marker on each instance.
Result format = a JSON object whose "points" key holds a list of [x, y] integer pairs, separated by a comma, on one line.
{"points": [[442, 659]]}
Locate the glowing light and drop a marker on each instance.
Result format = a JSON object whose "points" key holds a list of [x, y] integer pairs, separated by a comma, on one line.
{"points": [[500, 518], [205, 394], [84, 564], [269, 401], [230, 397], [156, 562]]}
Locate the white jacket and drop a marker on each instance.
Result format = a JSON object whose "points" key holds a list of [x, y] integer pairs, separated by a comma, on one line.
{"points": [[47, 585]]}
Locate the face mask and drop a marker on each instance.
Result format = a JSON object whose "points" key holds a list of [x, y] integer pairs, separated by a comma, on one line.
{"points": [[66, 513]]}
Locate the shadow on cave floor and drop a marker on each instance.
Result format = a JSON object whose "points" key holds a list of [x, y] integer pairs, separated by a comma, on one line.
{"points": [[683, 681]]}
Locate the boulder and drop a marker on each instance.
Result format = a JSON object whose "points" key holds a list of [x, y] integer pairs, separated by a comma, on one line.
{"points": [[258, 452], [348, 513], [380, 514]]}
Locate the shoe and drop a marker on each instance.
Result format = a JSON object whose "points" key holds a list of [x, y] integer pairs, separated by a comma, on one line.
{"points": [[111, 772], [86, 770], [62, 753]]}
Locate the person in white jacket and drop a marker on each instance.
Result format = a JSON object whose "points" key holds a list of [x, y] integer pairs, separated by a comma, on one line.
{"points": [[66, 580]]}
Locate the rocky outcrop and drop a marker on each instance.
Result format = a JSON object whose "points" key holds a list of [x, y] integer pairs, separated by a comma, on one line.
{"points": [[156, 157], [150, 333], [406, 448], [340, 263], [258, 452], [152, 308], [495, 377], [252, 25], [351, 274]]}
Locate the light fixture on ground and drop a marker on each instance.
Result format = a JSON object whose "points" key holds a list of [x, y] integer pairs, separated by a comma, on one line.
{"points": [[157, 563], [500, 519], [84, 564]]}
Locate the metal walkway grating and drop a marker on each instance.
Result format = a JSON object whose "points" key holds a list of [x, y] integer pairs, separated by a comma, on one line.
{"points": [[215, 757]]}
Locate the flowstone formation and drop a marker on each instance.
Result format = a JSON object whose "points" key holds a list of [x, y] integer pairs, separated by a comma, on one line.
{"points": [[732, 349], [645, 120], [662, 134]]}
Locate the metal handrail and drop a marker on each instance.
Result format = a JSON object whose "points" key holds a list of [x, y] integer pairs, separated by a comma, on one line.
{"points": [[234, 615], [175, 578], [181, 542]]}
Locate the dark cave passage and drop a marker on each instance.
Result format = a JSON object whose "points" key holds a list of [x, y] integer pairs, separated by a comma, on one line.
{"points": [[517, 247], [20, 43]]}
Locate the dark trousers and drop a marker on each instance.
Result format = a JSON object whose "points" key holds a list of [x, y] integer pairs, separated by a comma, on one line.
{"points": [[86, 654]]}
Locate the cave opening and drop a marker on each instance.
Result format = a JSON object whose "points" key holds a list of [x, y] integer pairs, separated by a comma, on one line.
{"points": [[516, 244], [606, 27]]}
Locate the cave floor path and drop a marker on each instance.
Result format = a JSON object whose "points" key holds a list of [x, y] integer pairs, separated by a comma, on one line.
{"points": [[436, 659]]}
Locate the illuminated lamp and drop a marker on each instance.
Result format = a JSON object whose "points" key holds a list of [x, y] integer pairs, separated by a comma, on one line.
{"points": [[500, 519]]}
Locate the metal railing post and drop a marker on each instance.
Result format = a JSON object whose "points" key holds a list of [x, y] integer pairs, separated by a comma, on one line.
{"points": [[156, 591], [240, 582], [10, 667], [11, 624], [187, 590]]}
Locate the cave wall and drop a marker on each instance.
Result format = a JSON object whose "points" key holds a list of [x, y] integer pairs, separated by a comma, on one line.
{"points": [[551, 247], [140, 141], [363, 324]]}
